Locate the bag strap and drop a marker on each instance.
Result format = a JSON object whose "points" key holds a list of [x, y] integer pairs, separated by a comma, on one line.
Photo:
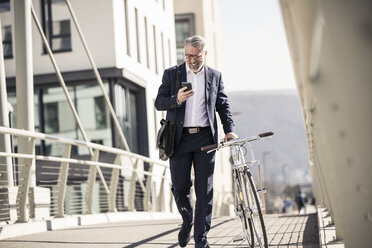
{"points": [[178, 79], [178, 82]]}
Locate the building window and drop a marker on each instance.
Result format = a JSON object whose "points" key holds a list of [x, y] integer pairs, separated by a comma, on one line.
{"points": [[137, 36], [55, 25], [51, 117], [155, 49], [162, 50], [126, 108], [59, 120], [100, 111], [127, 26], [4, 6], [169, 53], [185, 27], [7, 42], [147, 44]]}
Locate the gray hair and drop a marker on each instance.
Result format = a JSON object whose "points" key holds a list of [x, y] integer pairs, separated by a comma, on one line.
{"points": [[196, 41]]}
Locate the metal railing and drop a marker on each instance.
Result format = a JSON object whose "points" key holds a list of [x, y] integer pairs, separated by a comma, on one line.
{"points": [[70, 184]]}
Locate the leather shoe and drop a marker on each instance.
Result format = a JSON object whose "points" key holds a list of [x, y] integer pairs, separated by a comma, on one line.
{"points": [[203, 244], [184, 235]]}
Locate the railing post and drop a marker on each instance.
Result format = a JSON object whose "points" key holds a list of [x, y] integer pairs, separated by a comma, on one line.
{"points": [[147, 194], [171, 200], [6, 178], [161, 198], [90, 183], [62, 182], [114, 185], [132, 187], [25, 181]]}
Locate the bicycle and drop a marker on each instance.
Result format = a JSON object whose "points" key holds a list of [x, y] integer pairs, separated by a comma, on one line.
{"points": [[248, 205]]}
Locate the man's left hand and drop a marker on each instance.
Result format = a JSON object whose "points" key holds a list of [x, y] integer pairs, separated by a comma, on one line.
{"points": [[231, 136]]}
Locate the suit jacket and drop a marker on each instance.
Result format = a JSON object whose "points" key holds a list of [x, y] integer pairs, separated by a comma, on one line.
{"points": [[215, 99]]}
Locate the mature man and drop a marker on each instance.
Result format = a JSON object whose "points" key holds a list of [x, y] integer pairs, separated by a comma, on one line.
{"points": [[194, 113]]}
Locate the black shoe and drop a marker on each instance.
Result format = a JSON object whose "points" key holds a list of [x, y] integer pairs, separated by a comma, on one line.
{"points": [[203, 244], [184, 235]]}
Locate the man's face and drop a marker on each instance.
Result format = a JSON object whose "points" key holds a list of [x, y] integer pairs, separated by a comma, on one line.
{"points": [[195, 58]]}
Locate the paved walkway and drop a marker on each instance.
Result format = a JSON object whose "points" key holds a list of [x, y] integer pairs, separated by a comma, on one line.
{"points": [[283, 231]]}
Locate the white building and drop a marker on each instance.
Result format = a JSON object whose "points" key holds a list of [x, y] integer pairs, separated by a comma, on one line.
{"points": [[131, 43]]}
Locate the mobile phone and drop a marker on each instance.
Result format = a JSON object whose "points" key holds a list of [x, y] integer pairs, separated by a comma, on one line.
{"points": [[188, 85]]}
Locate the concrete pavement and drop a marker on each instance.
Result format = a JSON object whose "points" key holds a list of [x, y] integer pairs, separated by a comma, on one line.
{"points": [[283, 231]]}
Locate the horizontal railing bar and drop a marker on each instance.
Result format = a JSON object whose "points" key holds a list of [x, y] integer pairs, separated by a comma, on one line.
{"points": [[36, 135], [48, 173], [76, 161], [50, 167], [68, 208]]}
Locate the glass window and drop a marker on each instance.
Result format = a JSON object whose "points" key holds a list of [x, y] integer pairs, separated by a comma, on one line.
{"points": [[137, 37], [60, 121], [126, 111], [51, 117], [4, 6], [56, 26], [184, 28], [127, 26], [100, 111], [7, 42], [147, 43], [11, 95], [162, 50], [155, 49]]}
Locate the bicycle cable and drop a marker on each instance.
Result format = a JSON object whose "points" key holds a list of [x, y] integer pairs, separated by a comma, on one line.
{"points": [[245, 149]]}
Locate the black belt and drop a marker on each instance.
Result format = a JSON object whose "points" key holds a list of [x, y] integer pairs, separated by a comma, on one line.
{"points": [[193, 130]]}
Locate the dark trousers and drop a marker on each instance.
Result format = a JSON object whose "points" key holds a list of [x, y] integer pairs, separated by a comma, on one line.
{"points": [[188, 152]]}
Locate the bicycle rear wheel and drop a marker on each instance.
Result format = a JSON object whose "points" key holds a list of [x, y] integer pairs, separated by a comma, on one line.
{"points": [[256, 215], [242, 212]]}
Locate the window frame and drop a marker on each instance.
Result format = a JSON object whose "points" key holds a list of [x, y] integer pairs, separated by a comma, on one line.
{"points": [[48, 24]]}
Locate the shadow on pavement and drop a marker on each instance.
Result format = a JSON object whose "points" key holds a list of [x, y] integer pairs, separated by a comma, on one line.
{"points": [[311, 235]]}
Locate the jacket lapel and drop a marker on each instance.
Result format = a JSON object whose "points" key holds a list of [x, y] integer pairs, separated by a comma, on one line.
{"points": [[208, 81]]}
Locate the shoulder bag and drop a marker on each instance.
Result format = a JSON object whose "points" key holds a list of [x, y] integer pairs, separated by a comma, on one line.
{"points": [[167, 132]]}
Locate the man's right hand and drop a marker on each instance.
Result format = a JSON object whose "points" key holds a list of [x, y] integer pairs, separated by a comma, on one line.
{"points": [[183, 94]]}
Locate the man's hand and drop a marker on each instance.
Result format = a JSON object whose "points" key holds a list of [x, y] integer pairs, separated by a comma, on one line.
{"points": [[230, 136], [183, 95]]}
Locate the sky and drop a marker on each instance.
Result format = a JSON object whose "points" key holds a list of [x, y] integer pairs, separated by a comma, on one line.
{"points": [[254, 48]]}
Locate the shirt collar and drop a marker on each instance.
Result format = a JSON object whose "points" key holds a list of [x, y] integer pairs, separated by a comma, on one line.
{"points": [[188, 70]]}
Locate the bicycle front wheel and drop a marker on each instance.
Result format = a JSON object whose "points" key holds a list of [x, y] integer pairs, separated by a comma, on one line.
{"points": [[256, 215], [243, 214]]}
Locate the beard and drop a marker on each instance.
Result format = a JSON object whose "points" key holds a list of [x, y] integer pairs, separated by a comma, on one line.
{"points": [[196, 66]]}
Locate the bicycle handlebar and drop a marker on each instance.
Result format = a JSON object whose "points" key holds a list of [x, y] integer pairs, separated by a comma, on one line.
{"points": [[207, 148], [235, 142], [267, 134]]}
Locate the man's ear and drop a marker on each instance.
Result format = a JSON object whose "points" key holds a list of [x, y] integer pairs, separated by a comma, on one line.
{"points": [[206, 52]]}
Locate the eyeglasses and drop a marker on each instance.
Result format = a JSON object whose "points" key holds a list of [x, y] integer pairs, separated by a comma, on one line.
{"points": [[190, 56]]}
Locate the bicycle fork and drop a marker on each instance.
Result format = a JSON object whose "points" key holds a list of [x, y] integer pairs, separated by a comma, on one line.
{"points": [[248, 198]]}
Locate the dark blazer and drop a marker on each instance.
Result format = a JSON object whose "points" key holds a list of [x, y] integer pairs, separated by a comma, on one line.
{"points": [[215, 99]]}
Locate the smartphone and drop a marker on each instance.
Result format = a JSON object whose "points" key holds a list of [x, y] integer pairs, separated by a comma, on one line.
{"points": [[188, 85]]}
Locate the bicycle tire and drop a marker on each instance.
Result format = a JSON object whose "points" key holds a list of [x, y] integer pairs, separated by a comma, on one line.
{"points": [[245, 220], [256, 205]]}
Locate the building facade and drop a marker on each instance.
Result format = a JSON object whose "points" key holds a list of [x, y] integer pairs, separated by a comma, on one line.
{"points": [[131, 43]]}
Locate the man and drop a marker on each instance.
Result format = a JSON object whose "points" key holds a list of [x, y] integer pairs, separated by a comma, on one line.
{"points": [[196, 126]]}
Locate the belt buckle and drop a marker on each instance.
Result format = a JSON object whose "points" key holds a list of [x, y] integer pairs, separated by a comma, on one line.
{"points": [[193, 130]]}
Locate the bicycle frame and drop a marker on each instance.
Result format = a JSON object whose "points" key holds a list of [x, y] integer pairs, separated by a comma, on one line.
{"points": [[248, 205], [240, 169]]}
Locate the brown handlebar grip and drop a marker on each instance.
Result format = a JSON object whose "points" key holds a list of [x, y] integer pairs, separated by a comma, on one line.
{"points": [[207, 148], [262, 135]]}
